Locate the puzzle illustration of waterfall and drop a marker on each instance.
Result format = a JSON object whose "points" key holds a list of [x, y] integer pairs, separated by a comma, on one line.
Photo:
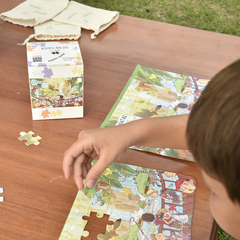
{"points": [[143, 203]]}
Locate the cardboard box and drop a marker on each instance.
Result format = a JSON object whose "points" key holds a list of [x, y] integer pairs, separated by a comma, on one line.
{"points": [[55, 71]]}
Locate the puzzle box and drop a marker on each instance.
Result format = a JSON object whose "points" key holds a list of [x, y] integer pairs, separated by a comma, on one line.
{"points": [[55, 71]]}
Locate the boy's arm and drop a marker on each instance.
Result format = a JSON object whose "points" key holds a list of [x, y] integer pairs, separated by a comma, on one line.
{"points": [[110, 143], [164, 132]]}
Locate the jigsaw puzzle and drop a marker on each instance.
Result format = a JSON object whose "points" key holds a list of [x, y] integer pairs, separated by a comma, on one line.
{"points": [[153, 93], [98, 223], [143, 203], [30, 139]]}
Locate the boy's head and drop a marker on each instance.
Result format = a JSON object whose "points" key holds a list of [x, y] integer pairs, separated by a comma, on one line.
{"points": [[213, 135]]}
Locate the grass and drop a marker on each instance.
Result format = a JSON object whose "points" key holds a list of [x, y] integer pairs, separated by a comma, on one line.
{"points": [[222, 16]]}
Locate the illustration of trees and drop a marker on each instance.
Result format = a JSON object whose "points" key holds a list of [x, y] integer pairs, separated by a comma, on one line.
{"points": [[76, 83], [111, 179], [122, 169], [153, 76]]}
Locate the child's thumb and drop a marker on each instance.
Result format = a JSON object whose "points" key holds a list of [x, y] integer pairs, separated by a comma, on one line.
{"points": [[95, 172]]}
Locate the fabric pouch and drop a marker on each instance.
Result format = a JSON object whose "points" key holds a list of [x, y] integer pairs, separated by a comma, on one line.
{"points": [[52, 30], [33, 12], [87, 17]]}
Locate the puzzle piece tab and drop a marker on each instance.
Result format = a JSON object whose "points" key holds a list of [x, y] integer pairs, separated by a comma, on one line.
{"points": [[95, 226], [30, 139]]}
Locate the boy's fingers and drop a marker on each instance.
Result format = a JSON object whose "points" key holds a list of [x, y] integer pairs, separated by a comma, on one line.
{"points": [[78, 170], [95, 172], [69, 157]]}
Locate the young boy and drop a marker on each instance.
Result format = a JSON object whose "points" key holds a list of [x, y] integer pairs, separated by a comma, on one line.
{"points": [[211, 132]]}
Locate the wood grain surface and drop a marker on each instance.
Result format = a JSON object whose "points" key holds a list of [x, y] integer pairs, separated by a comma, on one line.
{"points": [[36, 205]]}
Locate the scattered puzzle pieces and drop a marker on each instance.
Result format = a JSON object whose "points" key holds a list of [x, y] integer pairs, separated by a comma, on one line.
{"points": [[1, 198], [45, 113], [55, 113], [47, 72], [30, 139]]}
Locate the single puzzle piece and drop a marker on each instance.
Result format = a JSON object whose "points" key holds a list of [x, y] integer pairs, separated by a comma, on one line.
{"points": [[47, 72], [30, 139], [77, 71], [55, 113], [45, 113], [1, 198], [95, 226]]}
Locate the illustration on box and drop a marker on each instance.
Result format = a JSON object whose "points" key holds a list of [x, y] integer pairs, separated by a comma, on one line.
{"points": [[146, 203], [156, 93], [56, 92]]}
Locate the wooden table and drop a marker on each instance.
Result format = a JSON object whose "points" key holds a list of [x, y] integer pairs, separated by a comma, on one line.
{"points": [[36, 205]]}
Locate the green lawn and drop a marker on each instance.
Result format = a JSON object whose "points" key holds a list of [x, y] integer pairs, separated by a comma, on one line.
{"points": [[221, 16]]}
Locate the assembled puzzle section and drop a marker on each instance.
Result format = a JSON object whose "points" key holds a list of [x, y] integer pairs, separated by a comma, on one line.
{"points": [[153, 93], [55, 71], [143, 203]]}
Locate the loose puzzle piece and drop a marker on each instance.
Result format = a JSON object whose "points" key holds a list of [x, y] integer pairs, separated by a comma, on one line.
{"points": [[1, 198], [96, 224], [47, 72], [30, 139]]}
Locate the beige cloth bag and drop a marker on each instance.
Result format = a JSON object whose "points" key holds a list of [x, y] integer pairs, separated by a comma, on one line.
{"points": [[87, 17], [33, 12], [52, 30]]}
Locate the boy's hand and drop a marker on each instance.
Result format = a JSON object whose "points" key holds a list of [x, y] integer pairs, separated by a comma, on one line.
{"points": [[106, 144], [110, 143]]}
